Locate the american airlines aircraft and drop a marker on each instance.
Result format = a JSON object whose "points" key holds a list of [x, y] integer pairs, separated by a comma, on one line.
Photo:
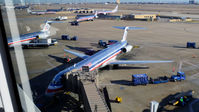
{"points": [[102, 58], [108, 11], [84, 18], [87, 18], [26, 38], [40, 12]]}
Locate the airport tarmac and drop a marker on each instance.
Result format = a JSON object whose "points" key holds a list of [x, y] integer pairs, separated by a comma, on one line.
{"points": [[160, 41]]}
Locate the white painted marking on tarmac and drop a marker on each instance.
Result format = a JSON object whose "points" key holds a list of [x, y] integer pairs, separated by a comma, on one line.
{"points": [[192, 67], [49, 63], [191, 64], [194, 75]]}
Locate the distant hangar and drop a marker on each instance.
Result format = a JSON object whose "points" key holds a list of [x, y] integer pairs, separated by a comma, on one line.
{"points": [[150, 17]]}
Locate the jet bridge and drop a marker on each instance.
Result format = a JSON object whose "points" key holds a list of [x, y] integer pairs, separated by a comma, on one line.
{"points": [[84, 83]]}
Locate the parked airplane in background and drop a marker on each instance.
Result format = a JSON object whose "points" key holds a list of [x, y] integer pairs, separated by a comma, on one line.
{"points": [[84, 18], [102, 58], [54, 10], [26, 38], [40, 12], [108, 11], [21, 7], [87, 18], [60, 18]]}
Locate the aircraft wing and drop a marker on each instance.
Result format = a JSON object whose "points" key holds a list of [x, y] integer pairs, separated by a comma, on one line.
{"points": [[138, 61], [81, 55]]}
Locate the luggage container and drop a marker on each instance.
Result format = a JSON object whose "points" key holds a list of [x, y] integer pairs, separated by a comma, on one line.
{"points": [[191, 45], [101, 43], [74, 38], [65, 37], [140, 79], [75, 23]]}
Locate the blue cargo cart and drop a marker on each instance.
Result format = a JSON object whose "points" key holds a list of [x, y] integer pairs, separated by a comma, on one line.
{"points": [[140, 79], [74, 38], [180, 76], [159, 80], [191, 45], [101, 43], [65, 37]]}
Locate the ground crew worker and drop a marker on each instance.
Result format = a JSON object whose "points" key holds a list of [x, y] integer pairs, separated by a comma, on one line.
{"points": [[118, 99], [67, 59], [182, 101]]}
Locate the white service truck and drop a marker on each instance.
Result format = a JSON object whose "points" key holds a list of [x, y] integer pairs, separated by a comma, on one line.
{"points": [[40, 43], [60, 18]]}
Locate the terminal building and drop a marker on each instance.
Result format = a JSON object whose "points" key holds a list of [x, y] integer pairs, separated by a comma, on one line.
{"points": [[84, 11], [149, 17]]}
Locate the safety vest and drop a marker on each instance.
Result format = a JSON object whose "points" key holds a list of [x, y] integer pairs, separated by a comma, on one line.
{"points": [[181, 99]]}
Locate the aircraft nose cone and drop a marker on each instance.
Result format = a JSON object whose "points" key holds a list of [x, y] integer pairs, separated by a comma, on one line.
{"points": [[49, 92], [52, 90]]}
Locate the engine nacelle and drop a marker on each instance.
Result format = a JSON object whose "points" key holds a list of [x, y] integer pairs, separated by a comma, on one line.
{"points": [[127, 48]]}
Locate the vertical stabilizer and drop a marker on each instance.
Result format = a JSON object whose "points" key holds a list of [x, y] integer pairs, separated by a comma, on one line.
{"points": [[28, 10], [115, 10], [125, 34], [46, 26], [96, 14]]}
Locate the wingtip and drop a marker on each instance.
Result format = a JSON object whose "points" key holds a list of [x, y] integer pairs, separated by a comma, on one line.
{"points": [[129, 27], [169, 61]]}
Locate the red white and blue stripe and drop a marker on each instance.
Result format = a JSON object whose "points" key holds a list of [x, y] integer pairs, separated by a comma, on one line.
{"points": [[25, 37]]}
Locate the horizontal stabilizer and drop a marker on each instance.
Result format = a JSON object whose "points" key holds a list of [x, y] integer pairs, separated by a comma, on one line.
{"points": [[126, 28], [81, 55], [129, 28], [139, 61]]}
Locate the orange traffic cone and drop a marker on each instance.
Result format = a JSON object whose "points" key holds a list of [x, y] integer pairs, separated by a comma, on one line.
{"points": [[174, 69], [194, 56]]}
